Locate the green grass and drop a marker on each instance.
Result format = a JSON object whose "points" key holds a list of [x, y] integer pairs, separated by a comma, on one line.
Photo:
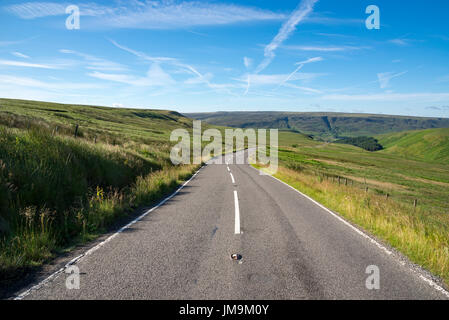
{"points": [[337, 175], [422, 236], [428, 145], [403, 179], [57, 190]]}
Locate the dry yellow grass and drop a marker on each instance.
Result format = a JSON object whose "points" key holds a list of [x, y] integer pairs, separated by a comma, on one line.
{"points": [[412, 231]]}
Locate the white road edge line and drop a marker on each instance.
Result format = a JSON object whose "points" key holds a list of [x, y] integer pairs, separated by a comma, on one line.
{"points": [[101, 244], [363, 234], [232, 177], [237, 213]]}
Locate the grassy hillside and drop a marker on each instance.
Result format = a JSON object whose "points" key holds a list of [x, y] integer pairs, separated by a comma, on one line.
{"points": [[430, 145], [109, 125], [326, 125], [404, 179], [377, 190], [57, 189]]}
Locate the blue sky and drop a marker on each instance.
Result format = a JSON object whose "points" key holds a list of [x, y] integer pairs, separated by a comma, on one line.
{"points": [[203, 56]]}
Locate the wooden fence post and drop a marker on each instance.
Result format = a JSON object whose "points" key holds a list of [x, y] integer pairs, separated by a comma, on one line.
{"points": [[76, 131]]}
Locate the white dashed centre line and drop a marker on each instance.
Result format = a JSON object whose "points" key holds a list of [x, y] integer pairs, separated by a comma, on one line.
{"points": [[237, 213], [232, 177]]}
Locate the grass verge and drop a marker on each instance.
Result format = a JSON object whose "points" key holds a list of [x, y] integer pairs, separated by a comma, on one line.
{"points": [[421, 236], [70, 173]]}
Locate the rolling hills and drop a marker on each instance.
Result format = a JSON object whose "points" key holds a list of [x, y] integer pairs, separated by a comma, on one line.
{"points": [[429, 145], [324, 125]]}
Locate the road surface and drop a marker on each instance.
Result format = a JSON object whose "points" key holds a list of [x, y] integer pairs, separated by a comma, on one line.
{"points": [[290, 247]]}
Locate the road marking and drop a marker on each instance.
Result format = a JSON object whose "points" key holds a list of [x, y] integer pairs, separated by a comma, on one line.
{"points": [[54, 275], [237, 213], [229, 169], [232, 177], [363, 234]]}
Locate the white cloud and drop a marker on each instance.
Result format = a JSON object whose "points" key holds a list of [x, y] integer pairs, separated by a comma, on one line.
{"points": [[33, 10], [178, 64], [317, 18], [12, 63], [199, 80], [33, 83], [306, 89], [156, 77], [400, 42], [384, 78], [20, 55], [94, 63], [142, 55], [406, 97], [303, 9], [324, 48], [150, 14], [8, 43], [311, 60], [301, 65], [247, 62], [276, 79]]}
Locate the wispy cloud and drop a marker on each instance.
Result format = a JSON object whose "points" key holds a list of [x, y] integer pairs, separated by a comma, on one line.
{"points": [[318, 18], [384, 78], [200, 78], [300, 66], [142, 55], [150, 14], [155, 77], [247, 62], [275, 79], [400, 42], [13, 42], [311, 60], [390, 97], [324, 48], [303, 9], [8, 43], [33, 10], [20, 55], [305, 89], [12, 63], [438, 108], [33, 83], [95, 63]]}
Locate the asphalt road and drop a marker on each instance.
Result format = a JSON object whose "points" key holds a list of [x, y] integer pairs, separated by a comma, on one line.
{"points": [[291, 248]]}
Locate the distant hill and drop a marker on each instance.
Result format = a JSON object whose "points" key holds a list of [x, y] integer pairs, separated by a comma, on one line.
{"points": [[430, 145], [322, 124]]}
